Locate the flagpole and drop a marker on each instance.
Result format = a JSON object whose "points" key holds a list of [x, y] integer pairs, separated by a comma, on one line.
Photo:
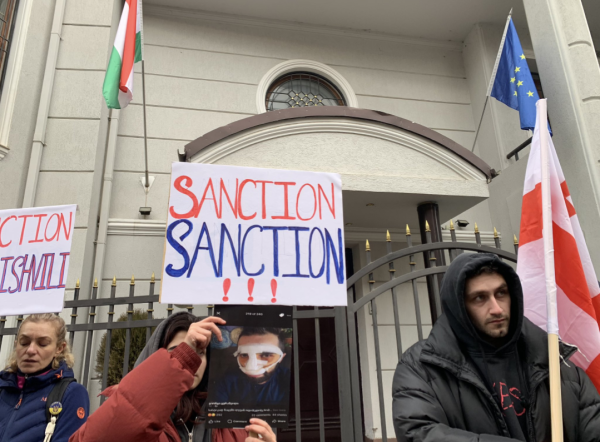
{"points": [[141, 12], [551, 303], [491, 84], [147, 182]]}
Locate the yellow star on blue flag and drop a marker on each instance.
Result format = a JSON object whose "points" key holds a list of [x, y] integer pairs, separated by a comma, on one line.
{"points": [[512, 73]]}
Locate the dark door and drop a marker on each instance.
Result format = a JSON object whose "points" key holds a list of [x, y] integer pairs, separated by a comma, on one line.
{"points": [[309, 396]]}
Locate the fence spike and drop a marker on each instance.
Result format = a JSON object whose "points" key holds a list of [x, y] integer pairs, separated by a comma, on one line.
{"points": [[368, 247], [96, 283], [496, 233], [132, 280], [451, 225], [427, 229], [152, 279], [516, 240], [114, 283], [388, 238], [407, 230], [476, 228], [77, 284]]}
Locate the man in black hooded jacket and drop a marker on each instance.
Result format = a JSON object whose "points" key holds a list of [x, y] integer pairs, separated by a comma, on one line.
{"points": [[482, 374]]}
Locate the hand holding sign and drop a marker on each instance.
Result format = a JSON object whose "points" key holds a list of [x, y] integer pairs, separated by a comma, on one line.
{"points": [[200, 333], [259, 426]]}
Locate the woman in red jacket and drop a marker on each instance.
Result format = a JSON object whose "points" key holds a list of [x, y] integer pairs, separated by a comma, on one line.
{"points": [[162, 399]]}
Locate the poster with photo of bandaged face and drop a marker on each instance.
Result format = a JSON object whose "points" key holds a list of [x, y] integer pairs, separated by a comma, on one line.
{"points": [[249, 369]]}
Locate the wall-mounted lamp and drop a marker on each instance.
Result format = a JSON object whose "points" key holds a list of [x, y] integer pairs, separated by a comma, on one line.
{"points": [[462, 222]]}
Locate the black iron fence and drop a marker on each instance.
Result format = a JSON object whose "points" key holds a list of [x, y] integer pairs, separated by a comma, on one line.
{"points": [[90, 325]]}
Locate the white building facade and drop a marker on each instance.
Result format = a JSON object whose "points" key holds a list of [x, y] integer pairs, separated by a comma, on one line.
{"points": [[412, 79]]}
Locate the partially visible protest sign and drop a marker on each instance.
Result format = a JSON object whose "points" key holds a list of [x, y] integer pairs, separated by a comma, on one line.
{"points": [[35, 245], [242, 235]]}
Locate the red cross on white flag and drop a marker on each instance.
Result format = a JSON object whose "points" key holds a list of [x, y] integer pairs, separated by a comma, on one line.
{"points": [[576, 299]]}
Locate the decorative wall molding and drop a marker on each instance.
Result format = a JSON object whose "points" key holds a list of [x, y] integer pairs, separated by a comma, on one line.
{"points": [[3, 152], [166, 11], [487, 238], [311, 66], [342, 125], [146, 227], [136, 227]]}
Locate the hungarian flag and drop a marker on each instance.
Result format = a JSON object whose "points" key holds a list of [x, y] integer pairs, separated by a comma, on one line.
{"points": [[118, 83], [571, 306]]}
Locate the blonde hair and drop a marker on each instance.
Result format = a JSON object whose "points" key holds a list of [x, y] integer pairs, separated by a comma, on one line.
{"points": [[61, 336]]}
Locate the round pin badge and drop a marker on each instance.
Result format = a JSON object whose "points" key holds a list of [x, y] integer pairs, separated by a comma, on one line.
{"points": [[55, 408]]}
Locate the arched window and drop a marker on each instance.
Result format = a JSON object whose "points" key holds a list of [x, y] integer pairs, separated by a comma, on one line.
{"points": [[299, 89], [7, 23]]}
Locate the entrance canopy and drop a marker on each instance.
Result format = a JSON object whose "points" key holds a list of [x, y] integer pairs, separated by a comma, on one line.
{"points": [[388, 165]]}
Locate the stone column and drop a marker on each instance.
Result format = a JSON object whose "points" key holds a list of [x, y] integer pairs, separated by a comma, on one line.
{"points": [[568, 67]]}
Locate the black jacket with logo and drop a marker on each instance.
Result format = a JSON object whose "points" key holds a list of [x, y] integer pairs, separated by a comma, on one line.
{"points": [[441, 391]]}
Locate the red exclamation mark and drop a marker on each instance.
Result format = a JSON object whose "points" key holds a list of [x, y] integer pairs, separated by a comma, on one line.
{"points": [[250, 289], [274, 290], [226, 286]]}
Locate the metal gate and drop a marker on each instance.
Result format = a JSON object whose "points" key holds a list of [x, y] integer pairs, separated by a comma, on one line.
{"points": [[352, 425], [349, 423]]}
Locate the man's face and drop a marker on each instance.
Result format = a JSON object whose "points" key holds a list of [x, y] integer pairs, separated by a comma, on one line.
{"points": [[488, 303], [258, 356]]}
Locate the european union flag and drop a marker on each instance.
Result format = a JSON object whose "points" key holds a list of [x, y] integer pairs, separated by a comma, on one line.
{"points": [[513, 84]]}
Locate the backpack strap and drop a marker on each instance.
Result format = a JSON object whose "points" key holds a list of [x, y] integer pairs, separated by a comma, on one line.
{"points": [[56, 395]]}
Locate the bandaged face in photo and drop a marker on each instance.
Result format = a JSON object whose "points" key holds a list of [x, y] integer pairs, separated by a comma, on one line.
{"points": [[258, 355]]}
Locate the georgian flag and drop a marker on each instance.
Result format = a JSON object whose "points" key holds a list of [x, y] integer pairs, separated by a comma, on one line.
{"points": [[576, 300], [118, 83]]}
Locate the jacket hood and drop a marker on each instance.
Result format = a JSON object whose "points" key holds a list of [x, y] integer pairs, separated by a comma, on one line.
{"points": [[453, 302], [10, 379], [152, 346], [154, 343]]}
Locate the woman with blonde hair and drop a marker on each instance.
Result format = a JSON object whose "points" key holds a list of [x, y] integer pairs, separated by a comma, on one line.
{"points": [[41, 361]]}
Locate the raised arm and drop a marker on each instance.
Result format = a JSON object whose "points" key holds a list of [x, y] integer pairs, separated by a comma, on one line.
{"points": [[141, 407]]}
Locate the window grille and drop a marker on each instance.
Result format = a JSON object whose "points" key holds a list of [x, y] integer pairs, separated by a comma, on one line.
{"points": [[8, 9], [301, 89]]}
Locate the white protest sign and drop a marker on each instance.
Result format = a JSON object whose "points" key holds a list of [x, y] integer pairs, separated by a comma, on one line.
{"points": [[35, 245], [241, 235]]}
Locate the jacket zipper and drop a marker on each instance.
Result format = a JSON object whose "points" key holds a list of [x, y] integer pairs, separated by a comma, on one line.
{"points": [[495, 404], [566, 356], [530, 423], [481, 388], [190, 433], [21, 395], [532, 435]]}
